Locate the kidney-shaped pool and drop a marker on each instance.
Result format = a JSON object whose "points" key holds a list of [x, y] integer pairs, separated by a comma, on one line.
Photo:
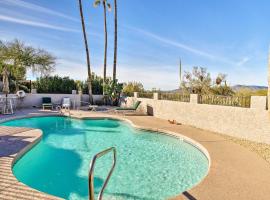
{"points": [[149, 165]]}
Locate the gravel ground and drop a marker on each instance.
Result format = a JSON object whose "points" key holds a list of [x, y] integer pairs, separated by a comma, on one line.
{"points": [[261, 149]]}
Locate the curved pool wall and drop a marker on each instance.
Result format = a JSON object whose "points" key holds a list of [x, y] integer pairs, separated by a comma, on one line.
{"points": [[149, 165]]}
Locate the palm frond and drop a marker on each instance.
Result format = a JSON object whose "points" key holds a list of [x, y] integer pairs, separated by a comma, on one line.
{"points": [[109, 6], [97, 3]]}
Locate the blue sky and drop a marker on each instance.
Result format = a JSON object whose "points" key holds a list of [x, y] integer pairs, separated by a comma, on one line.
{"points": [[229, 36]]}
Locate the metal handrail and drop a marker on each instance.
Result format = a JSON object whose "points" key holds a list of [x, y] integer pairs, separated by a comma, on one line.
{"points": [[91, 173]]}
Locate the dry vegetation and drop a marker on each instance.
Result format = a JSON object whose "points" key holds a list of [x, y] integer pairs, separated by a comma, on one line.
{"points": [[249, 92]]}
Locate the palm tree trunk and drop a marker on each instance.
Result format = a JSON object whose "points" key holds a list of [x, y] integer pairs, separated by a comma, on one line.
{"points": [[115, 40], [105, 48], [89, 80]]}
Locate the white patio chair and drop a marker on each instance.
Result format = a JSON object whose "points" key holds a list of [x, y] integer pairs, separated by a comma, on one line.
{"points": [[66, 103]]}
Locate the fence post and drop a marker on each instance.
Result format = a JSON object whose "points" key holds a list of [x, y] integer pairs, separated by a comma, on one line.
{"points": [[194, 98], [258, 102], [136, 95], [155, 96]]}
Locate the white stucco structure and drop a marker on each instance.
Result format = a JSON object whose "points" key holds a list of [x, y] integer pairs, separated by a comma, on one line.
{"points": [[35, 99], [249, 123]]}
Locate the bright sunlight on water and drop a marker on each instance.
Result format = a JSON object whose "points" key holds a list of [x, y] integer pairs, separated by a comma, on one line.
{"points": [[149, 165]]}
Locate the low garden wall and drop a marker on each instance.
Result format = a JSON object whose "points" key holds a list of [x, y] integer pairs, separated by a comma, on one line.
{"points": [[250, 123], [35, 100]]}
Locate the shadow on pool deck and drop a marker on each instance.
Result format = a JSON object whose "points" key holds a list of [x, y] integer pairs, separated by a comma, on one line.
{"points": [[61, 166], [189, 196], [236, 173], [12, 142], [11, 145]]}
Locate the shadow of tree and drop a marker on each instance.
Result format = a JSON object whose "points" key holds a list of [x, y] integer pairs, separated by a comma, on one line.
{"points": [[129, 196], [11, 145], [54, 171]]}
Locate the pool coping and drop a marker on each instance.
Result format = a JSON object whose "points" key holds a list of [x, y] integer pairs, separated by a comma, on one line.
{"points": [[184, 138], [39, 136], [10, 187]]}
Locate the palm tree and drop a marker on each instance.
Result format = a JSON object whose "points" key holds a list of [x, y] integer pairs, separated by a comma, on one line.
{"points": [[105, 6], [89, 80], [115, 41]]}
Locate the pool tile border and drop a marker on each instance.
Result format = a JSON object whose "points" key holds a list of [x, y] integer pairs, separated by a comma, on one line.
{"points": [[10, 187], [206, 189], [38, 136]]}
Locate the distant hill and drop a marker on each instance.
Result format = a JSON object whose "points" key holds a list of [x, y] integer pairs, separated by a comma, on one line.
{"points": [[172, 91], [235, 88], [250, 87]]}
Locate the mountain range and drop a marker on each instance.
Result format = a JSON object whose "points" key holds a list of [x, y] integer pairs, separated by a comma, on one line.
{"points": [[250, 87], [236, 88]]}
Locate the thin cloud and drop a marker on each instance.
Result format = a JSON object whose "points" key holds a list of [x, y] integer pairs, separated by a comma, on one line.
{"points": [[37, 8], [181, 45], [243, 61], [35, 24], [173, 43]]}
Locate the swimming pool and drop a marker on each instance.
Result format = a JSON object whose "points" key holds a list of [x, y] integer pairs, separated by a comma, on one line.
{"points": [[149, 165]]}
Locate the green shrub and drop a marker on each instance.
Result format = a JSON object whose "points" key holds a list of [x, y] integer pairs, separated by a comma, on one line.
{"points": [[55, 84], [65, 85]]}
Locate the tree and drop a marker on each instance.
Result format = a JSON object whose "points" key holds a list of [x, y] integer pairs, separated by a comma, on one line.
{"points": [[200, 82], [89, 79], [131, 87], [115, 40], [25, 57], [55, 85], [106, 6], [113, 89], [197, 82], [18, 58], [97, 85], [220, 86]]}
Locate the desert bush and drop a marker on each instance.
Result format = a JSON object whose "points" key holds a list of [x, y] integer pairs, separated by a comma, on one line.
{"points": [[250, 92], [131, 87]]}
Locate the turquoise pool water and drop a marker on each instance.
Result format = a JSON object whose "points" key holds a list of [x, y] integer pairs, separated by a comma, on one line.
{"points": [[149, 165]]}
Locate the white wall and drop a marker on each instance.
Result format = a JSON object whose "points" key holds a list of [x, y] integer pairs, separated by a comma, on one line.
{"points": [[35, 100], [85, 98], [249, 123]]}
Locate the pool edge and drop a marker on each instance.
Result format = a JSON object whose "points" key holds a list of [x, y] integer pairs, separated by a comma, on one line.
{"points": [[188, 140], [15, 189]]}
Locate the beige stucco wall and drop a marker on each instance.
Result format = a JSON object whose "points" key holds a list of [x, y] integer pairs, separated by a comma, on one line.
{"points": [[249, 123], [258, 102]]}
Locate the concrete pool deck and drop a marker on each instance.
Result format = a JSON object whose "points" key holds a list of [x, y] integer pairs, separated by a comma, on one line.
{"points": [[235, 172]]}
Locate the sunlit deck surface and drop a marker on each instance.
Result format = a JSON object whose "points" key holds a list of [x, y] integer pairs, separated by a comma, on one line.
{"points": [[13, 143], [235, 173]]}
